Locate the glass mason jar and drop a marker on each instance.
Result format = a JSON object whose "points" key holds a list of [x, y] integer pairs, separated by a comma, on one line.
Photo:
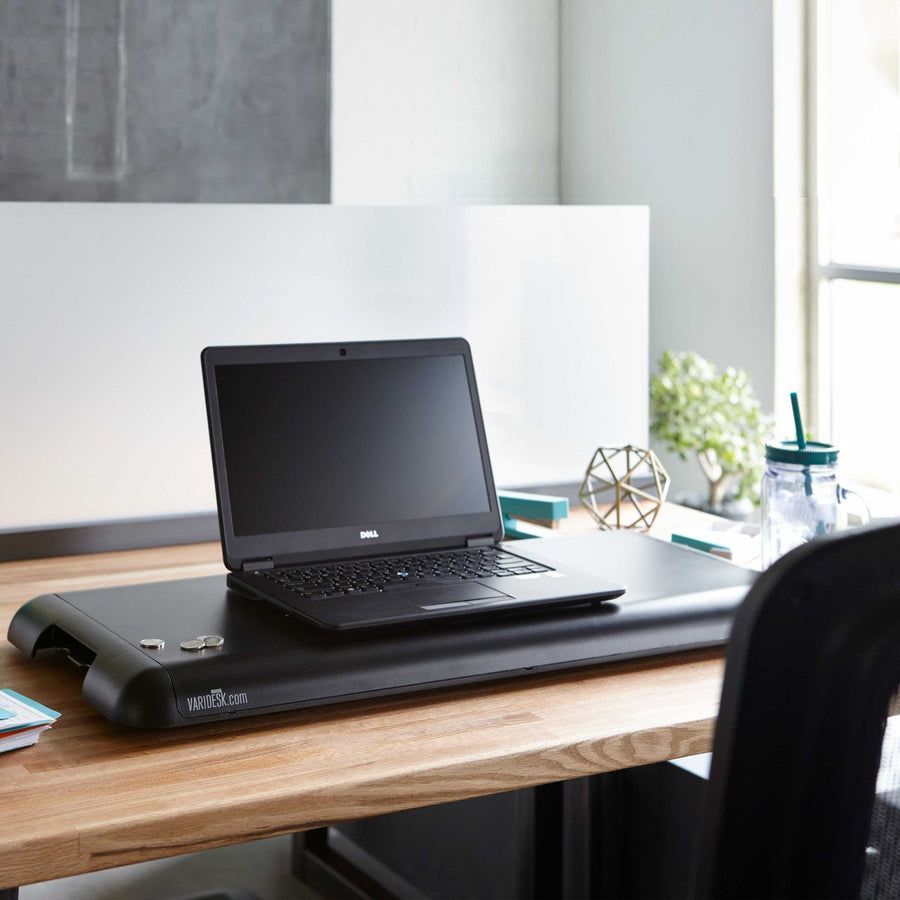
{"points": [[801, 497]]}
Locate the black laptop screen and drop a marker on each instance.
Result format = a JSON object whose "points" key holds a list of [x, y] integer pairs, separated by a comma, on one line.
{"points": [[330, 443]]}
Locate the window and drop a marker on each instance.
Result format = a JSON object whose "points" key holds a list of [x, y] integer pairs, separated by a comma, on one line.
{"points": [[856, 235]]}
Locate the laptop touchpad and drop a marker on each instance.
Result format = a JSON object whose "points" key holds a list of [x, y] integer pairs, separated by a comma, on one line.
{"points": [[441, 596]]}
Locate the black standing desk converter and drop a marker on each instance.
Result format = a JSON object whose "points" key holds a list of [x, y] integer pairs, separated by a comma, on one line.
{"points": [[676, 599]]}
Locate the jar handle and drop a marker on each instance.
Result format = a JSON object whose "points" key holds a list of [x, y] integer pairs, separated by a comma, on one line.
{"points": [[863, 513]]}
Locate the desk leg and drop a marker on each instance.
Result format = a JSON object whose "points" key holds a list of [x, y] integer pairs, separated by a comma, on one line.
{"points": [[313, 864], [316, 864], [336, 868], [556, 825], [565, 852], [549, 816]]}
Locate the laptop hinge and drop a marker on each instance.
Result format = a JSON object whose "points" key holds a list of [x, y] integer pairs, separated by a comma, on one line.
{"points": [[486, 541], [254, 565]]}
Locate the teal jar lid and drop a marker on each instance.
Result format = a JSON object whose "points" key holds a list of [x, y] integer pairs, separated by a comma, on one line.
{"points": [[814, 454]]}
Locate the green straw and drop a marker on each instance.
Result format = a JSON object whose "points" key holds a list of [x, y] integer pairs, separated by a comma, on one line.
{"points": [[801, 444], [798, 425]]}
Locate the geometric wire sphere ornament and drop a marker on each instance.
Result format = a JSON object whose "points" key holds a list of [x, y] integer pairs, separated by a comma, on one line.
{"points": [[624, 487]]}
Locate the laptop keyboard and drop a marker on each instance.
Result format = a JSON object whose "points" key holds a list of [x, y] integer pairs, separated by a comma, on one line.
{"points": [[318, 581]]}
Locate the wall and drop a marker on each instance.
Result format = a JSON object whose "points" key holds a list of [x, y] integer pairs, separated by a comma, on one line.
{"points": [[107, 307], [520, 101], [583, 101], [106, 310], [670, 105], [165, 101], [445, 102]]}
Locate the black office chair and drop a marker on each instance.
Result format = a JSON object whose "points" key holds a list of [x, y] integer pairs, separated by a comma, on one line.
{"points": [[812, 665]]}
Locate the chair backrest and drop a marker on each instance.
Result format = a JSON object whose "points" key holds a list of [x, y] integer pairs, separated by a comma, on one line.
{"points": [[812, 663]]}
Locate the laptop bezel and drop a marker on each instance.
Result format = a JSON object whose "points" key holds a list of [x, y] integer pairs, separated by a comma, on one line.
{"points": [[286, 548]]}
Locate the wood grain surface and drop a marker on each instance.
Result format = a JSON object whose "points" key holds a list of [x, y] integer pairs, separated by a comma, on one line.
{"points": [[93, 795]]}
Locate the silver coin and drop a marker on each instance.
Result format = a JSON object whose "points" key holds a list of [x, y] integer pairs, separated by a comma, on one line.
{"points": [[192, 645], [153, 643], [211, 640]]}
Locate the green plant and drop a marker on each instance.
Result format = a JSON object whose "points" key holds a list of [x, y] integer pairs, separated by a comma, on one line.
{"points": [[695, 408]]}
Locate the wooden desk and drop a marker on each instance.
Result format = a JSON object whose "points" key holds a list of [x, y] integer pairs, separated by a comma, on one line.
{"points": [[92, 795]]}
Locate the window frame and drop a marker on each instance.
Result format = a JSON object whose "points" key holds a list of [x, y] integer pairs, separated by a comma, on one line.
{"points": [[823, 269]]}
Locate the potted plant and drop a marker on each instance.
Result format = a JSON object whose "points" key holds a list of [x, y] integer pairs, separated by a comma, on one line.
{"points": [[696, 409]]}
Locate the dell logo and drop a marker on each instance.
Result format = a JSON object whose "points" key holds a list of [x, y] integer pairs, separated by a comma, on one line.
{"points": [[368, 534]]}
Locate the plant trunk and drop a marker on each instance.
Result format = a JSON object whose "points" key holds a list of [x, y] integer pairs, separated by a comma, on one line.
{"points": [[717, 492], [718, 479]]}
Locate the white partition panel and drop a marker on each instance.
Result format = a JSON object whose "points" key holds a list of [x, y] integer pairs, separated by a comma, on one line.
{"points": [[106, 307]]}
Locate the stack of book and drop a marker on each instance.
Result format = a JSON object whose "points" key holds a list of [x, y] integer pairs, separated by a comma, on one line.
{"points": [[22, 720], [737, 541]]}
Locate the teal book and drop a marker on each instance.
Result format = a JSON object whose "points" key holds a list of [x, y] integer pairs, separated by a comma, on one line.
{"points": [[22, 720]]}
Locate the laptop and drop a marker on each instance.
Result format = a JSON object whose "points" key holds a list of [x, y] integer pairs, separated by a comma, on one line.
{"points": [[354, 487]]}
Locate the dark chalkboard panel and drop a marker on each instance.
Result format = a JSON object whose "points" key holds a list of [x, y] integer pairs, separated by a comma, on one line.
{"points": [[165, 100]]}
